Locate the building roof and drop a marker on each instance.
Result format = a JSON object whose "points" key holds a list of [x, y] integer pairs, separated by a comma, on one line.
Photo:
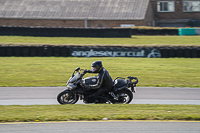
{"points": [[74, 9]]}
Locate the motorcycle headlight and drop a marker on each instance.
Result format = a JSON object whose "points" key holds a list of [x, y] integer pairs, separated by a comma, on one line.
{"points": [[71, 86]]}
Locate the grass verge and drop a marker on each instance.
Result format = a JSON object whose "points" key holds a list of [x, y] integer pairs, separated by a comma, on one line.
{"points": [[133, 41], [55, 71], [41, 113]]}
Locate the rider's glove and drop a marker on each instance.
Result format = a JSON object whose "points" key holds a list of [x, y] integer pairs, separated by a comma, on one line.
{"points": [[85, 71]]}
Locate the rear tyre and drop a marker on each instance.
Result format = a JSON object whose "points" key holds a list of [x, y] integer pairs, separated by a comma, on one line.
{"points": [[67, 98], [124, 96]]}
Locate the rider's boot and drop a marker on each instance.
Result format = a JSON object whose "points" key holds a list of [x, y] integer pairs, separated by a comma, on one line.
{"points": [[113, 95]]}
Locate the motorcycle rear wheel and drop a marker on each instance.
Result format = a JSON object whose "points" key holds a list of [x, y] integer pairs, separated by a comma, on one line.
{"points": [[124, 96], [67, 98]]}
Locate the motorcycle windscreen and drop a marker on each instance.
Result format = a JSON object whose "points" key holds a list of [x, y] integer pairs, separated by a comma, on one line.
{"points": [[76, 76]]}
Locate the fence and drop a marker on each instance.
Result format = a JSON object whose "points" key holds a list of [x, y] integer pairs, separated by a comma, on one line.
{"points": [[189, 31], [66, 32], [92, 51], [154, 31], [83, 32]]}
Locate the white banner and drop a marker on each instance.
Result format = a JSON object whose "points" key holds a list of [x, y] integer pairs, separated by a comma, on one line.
{"points": [[85, 52]]}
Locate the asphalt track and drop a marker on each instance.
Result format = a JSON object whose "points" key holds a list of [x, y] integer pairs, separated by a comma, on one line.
{"points": [[102, 127], [143, 95]]}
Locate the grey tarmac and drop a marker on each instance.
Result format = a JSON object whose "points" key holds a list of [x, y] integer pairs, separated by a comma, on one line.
{"points": [[102, 127], [143, 95]]}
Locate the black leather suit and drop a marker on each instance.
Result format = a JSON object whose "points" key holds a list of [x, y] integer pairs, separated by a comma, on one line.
{"points": [[104, 82]]}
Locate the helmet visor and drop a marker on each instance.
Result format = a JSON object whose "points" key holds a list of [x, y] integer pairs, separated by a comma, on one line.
{"points": [[93, 69]]}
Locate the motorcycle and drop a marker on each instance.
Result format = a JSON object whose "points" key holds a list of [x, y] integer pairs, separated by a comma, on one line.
{"points": [[121, 92]]}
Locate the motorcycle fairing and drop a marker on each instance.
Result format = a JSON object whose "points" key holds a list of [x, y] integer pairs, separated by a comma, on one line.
{"points": [[91, 80], [74, 78]]}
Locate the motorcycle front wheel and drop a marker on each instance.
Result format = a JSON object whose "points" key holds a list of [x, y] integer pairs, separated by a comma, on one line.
{"points": [[124, 96], [67, 98]]}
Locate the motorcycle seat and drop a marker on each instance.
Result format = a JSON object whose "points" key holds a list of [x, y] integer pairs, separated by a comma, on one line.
{"points": [[120, 83]]}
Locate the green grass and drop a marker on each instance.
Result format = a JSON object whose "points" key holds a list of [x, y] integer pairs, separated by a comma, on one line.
{"points": [[134, 41], [40, 113], [55, 71]]}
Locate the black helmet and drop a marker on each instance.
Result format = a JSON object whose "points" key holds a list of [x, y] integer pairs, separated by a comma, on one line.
{"points": [[96, 66]]}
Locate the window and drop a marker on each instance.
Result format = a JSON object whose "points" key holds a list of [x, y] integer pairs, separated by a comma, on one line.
{"points": [[191, 6], [165, 6]]}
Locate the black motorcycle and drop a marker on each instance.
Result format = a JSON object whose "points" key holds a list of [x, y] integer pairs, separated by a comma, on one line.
{"points": [[121, 92]]}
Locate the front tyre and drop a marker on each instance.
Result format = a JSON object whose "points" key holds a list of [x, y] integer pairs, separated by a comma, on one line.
{"points": [[124, 96], [67, 97]]}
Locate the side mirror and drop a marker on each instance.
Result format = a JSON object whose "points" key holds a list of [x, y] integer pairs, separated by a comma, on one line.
{"points": [[78, 68]]}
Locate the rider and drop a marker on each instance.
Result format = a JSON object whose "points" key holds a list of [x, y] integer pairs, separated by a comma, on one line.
{"points": [[104, 83]]}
